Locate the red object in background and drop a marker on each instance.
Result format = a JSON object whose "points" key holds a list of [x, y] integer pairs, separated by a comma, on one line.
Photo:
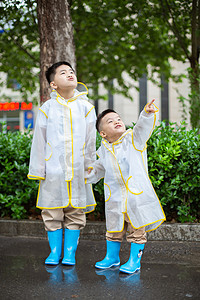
{"points": [[26, 106], [16, 127], [11, 106]]}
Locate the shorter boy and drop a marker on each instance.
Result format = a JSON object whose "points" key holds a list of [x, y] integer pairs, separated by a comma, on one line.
{"points": [[131, 204]]}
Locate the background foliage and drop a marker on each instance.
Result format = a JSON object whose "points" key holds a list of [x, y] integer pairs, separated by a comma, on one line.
{"points": [[17, 193], [174, 168]]}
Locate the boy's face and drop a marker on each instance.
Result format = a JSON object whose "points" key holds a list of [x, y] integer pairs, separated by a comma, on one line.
{"points": [[64, 79], [112, 127]]}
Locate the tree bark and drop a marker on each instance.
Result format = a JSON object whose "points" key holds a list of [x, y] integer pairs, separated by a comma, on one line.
{"points": [[194, 62], [56, 38], [191, 54]]}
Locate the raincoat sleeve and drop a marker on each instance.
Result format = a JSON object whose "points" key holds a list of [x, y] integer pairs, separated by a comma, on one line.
{"points": [[143, 129], [98, 171], [90, 139], [37, 155]]}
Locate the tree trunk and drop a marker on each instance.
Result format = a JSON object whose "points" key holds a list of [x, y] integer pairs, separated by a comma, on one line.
{"points": [[193, 56], [194, 63], [56, 38]]}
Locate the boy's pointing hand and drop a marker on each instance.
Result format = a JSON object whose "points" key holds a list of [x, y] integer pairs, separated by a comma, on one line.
{"points": [[149, 108]]}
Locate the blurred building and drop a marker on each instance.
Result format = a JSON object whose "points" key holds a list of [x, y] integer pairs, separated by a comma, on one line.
{"points": [[14, 112], [166, 98]]}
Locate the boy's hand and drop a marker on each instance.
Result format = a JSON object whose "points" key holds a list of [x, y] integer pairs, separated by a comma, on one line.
{"points": [[149, 108], [89, 170]]}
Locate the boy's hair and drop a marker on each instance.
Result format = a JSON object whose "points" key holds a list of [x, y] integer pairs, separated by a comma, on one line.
{"points": [[51, 71], [100, 117]]}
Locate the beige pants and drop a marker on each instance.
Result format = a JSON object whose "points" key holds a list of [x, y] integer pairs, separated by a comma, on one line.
{"points": [[134, 235], [69, 217]]}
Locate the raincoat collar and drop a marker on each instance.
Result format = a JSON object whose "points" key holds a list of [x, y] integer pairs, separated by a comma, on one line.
{"points": [[120, 140], [81, 90]]}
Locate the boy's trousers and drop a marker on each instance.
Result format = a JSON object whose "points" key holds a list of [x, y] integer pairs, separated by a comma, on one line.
{"points": [[69, 217], [137, 236]]}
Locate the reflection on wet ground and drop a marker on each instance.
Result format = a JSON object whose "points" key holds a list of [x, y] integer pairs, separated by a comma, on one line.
{"points": [[170, 270], [61, 273]]}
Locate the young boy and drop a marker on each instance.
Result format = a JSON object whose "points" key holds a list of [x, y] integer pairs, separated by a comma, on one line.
{"points": [[131, 204], [64, 145]]}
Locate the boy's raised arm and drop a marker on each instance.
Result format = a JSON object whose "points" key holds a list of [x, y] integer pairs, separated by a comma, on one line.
{"points": [[145, 126]]}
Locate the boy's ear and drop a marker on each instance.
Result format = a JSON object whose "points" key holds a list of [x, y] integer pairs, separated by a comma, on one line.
{"points": [[53, 85], [102, 134]]}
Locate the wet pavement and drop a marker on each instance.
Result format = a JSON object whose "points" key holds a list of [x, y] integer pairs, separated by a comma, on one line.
{"points": [[170, 270]]}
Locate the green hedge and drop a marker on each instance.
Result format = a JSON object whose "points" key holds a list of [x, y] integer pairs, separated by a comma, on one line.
{"points": [[174, 168], [17, 193]]}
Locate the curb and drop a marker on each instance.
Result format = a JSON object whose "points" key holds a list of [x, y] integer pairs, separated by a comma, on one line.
{"points": [[96, 231]]}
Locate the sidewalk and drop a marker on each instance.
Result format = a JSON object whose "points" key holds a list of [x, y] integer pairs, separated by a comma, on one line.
{"points": [[170, 270], [96, 231]]}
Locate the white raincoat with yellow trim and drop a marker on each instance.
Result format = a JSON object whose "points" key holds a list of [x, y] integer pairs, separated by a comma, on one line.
{"points": [[127, 187], [64, 145]]}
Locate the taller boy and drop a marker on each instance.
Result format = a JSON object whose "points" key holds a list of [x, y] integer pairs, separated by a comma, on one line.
{"points": [[63, 147]]}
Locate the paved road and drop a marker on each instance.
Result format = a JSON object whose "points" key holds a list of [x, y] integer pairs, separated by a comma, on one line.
{"points": [[170, 270]]}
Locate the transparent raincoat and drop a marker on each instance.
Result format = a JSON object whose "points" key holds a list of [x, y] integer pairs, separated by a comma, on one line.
{"points": [[64, 145], [127, 186]]}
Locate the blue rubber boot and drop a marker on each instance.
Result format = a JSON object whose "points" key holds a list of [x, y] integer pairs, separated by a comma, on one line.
{"points": [[70, 246], [133, 264], [112, 256], [55, 243]]}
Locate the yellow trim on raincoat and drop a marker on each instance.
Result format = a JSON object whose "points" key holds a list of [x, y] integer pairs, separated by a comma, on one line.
{"points": [[109, 191], [34, 177], [43, 113], [50, 154]]}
